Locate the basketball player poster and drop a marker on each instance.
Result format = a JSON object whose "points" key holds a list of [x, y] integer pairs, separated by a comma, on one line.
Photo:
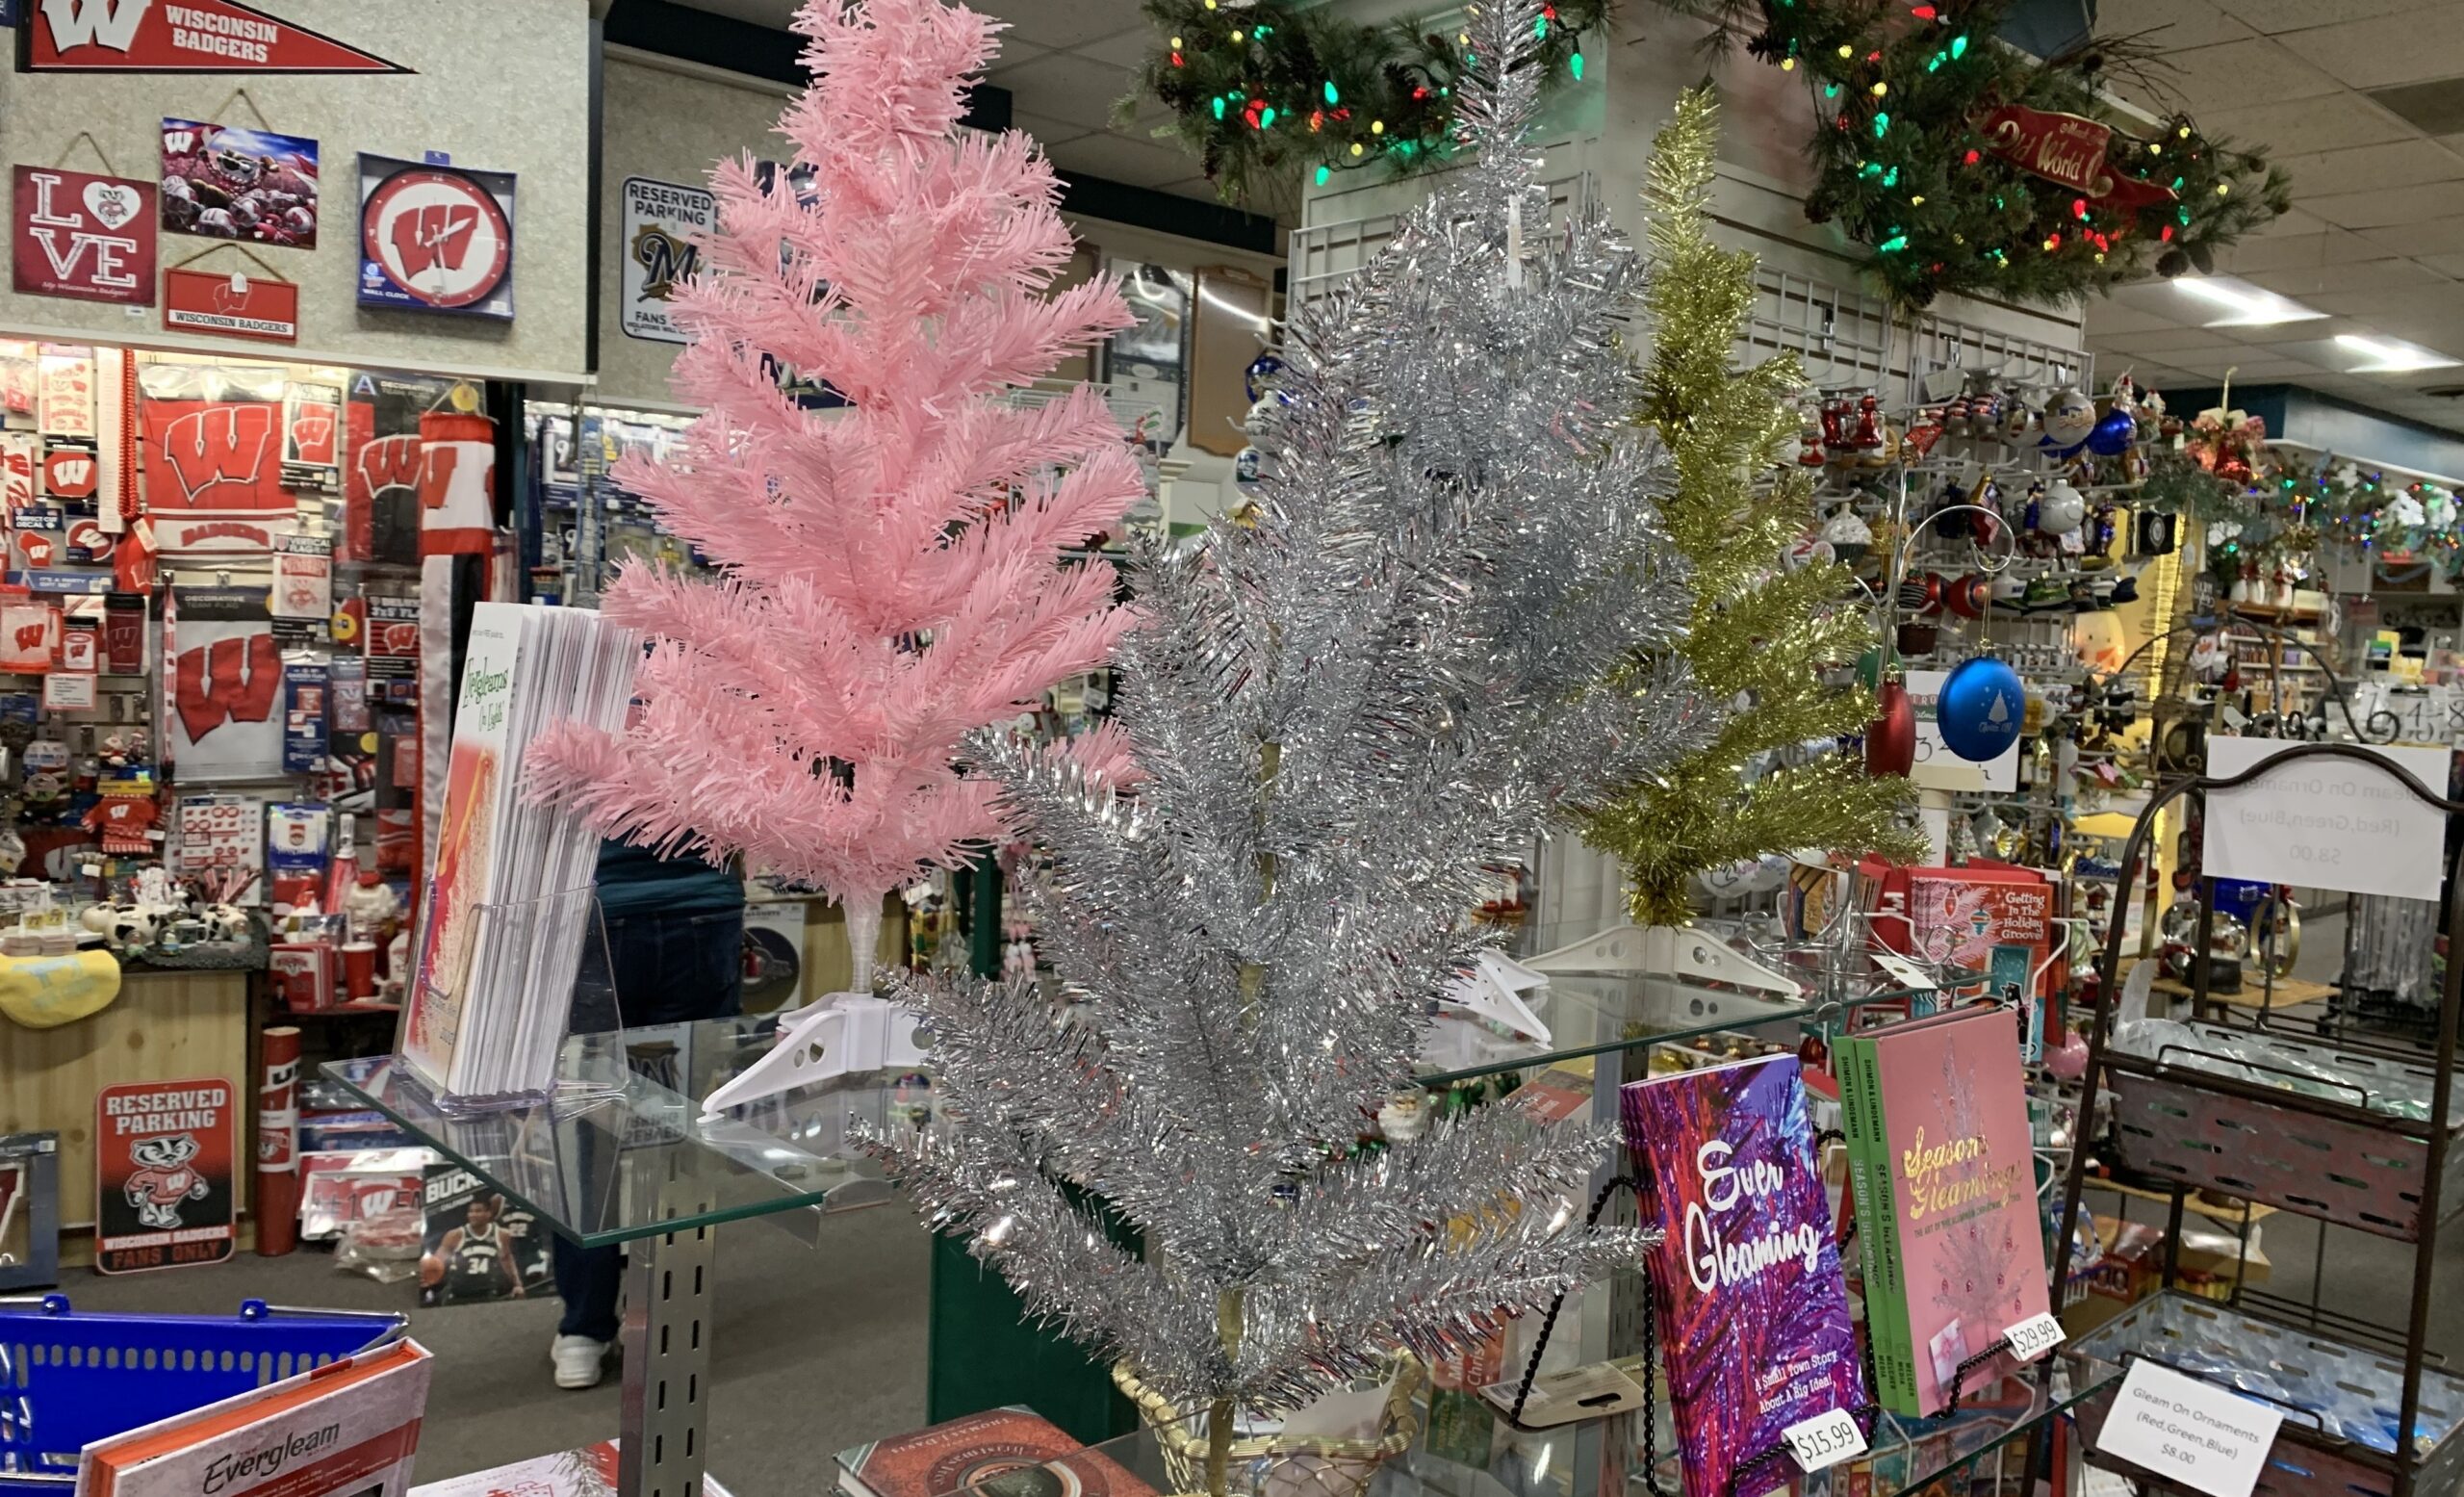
{"points": [[163, 1161], [478, 1246]]}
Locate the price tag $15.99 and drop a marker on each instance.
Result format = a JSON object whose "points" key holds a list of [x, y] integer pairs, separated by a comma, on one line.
{"points": [[1824, 1440]]}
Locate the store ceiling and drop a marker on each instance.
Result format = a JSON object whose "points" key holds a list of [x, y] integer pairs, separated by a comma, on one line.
{"points": [[2363, 102], [1066, 62]]}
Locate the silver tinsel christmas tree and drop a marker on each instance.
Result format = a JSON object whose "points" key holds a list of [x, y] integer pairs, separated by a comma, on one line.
{"points": [[1338, 715]]}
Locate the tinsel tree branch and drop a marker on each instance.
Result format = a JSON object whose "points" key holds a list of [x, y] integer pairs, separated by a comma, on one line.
{"points": [[1456, 613], [895, 574], [1762, 636]]}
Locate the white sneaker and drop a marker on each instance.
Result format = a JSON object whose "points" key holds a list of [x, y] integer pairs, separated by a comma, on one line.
{"points": [[580, 1360]]}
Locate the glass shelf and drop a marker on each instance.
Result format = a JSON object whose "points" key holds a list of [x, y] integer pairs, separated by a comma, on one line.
{"points": [[1595, 1014], [610, 1169], [1980, 1446]]}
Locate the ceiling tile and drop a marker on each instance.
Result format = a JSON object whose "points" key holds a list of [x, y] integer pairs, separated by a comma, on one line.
{"points": [[1127, 50], [1060, 23], [2315, 279], [2324, 124], [2336, 246], [2388, 49], [1047, 131], [2363, 168], [2380, 302], [2437, 236], [2171, 340], [2236, 72], [2293, 221], [2281, 15], [2396, 205], [1121, 159], [1066, 86], [2276, 334], [2114, 319], [2178, 25], [2446, 265]]}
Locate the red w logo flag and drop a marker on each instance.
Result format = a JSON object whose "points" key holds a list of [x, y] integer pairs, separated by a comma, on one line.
{"points": [[226, 680], [388, 463], [213, 457]]}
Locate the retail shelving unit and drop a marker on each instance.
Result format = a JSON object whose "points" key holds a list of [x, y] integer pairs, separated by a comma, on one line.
{"points": [[2213, 1114], [642, 1170]]}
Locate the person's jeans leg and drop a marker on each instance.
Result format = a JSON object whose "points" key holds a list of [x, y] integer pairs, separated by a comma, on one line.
{"points": [[589, 1279]]}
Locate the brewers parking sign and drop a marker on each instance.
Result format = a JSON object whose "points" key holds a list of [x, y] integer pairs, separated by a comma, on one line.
{"points": [[661, 220]]}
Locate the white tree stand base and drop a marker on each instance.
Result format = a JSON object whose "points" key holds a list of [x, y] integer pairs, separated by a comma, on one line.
{"points": [[842, 1034]]}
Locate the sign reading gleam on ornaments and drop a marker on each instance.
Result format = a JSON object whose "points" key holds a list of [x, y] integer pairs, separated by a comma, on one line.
{"points": [[233, 306], [435, 237], [180, 37], [76, 234]]}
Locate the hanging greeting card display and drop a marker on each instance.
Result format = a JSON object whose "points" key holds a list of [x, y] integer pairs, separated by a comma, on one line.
{"points": [[76, 234], [435, 237], [221, 682]]}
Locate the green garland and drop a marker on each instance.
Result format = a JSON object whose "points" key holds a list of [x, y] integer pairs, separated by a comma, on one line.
{"points": [[1267, 90], [1904, 164]]}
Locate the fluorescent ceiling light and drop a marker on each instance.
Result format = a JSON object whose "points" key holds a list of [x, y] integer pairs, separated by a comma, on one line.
{"points": [[2244, 305], [2392, 355]]}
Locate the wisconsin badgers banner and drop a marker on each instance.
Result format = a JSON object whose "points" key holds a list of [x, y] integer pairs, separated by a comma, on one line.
{"points": [[213, 441], [222, 683], [197, 37], [458, 483], [233, 306], [435, 238], [76, 234], [20, 461], [381, 485], [163, 1153]]}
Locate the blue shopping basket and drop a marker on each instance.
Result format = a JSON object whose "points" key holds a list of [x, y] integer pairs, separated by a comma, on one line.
{"points": [[68, 1378]]}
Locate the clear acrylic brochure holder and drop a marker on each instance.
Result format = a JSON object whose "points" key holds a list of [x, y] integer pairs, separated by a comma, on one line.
{"points": [[514, 1005]]}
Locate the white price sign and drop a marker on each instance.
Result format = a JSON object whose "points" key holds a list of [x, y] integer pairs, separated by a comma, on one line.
{"points": [[2205, 1437], [1937, 768], [1825, 1441], [2325, 823], [2033, 1338]]}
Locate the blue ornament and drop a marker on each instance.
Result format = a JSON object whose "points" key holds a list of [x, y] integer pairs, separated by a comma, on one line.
{"points": [[2112, 436], [1263, 368], [1980, 710]]}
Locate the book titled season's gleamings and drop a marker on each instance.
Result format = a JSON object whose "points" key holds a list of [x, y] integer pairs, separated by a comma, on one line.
{"points": [[1942, 1114], [1752, 1310]]}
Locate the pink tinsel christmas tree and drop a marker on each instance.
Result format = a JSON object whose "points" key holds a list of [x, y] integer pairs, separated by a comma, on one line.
{"points": [[892, 575]]}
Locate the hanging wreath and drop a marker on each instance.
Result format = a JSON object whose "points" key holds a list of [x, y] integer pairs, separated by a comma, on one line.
{"points": [[1965, 165], [1266, 90]]}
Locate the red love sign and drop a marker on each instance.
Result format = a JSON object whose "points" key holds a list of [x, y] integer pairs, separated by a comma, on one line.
{"points": [[76, 234]]}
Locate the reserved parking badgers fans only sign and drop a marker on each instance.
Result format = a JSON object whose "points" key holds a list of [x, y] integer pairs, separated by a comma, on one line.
{"points": [[162, 1157], [180, 37]]}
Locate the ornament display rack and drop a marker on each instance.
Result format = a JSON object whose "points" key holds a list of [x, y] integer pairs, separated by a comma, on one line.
{"points": [[2206, 1120]]}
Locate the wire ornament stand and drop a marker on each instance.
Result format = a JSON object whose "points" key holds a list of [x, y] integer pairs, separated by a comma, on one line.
{"points": [[2262, 1121], [1841, 337]]}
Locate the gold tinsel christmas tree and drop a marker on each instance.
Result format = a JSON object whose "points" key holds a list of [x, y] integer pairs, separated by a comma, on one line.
{"points": [[1762, 635]]}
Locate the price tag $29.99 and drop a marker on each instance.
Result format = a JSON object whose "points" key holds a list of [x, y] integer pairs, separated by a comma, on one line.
{"points": [[1824, 1440], [2033, 1338]]}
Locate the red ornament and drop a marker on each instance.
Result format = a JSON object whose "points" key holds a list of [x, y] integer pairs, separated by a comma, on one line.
{"points": [[1890, 738], [1967, 596]]}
